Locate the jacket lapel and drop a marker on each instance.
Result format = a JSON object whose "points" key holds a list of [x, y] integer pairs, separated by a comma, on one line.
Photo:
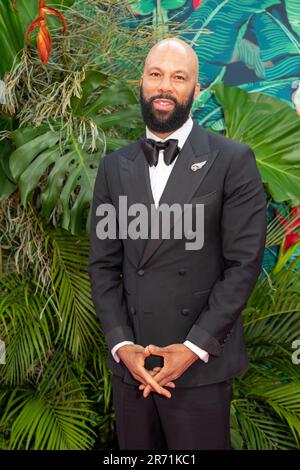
{"points": [[136, 186], [181, 185]]}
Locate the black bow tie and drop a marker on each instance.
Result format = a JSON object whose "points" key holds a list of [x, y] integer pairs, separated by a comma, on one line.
{"points": [[152, 147]]}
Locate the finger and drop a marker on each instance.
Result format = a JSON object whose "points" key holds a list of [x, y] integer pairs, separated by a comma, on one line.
{"points": [[152, 372], [169, 384], [157, 388], [156, 350], [163, 377], [150, 381], [148, 390], [146, 352]]}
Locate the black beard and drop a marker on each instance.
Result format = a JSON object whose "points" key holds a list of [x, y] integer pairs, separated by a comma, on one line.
{"points": [[162, 121]]}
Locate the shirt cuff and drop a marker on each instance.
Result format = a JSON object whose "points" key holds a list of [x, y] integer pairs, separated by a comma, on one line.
{"points": [[200, 352], [116, 347]]}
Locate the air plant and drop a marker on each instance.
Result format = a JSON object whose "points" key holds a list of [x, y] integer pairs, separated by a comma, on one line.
{"points": [[43, 38]]}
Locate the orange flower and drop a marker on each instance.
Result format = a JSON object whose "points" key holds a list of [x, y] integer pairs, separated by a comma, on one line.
{"points": [[43, 37]]}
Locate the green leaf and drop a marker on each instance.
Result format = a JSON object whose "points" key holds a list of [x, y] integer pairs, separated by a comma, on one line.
{"points": [[27, 324], [94, 80], [113, 96], [50, 422], [145, 7], [293, 14], [21, 158], [74, 304], [66, 174], [124, 118], [271, 128], [261, 431], [7, 185]]}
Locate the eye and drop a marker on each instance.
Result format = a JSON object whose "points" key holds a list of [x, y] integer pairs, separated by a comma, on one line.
{"points": [[154, 73], [180, 77]]}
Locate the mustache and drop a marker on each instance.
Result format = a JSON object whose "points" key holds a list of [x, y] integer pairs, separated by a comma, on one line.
{"points": [[163, 97]]}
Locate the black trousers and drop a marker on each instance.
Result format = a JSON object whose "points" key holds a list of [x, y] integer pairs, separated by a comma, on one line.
{"points": [[195, 418]]}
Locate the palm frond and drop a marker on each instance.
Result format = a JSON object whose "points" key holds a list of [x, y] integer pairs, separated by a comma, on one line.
{"points": [[78, 327], [27, 325], [261, 430]]}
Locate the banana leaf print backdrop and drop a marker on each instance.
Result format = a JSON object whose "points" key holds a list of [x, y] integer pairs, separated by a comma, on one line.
{"points": [[252, 44]]}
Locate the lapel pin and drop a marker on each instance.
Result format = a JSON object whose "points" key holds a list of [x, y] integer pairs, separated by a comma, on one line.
{"points": [[197, 166]]}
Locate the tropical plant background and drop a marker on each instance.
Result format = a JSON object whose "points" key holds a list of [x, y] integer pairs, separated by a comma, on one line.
{"points": [[67, 102]]}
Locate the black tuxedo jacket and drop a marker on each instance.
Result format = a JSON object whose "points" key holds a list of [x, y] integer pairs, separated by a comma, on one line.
{"points": [[154, 291]]}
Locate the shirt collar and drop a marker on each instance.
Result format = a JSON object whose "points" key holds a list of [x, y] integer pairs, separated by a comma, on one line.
{"points": [[181, 134]]}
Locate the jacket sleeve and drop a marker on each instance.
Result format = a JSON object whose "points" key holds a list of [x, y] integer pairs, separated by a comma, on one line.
{"points": [[243, 233], [105, 269]]}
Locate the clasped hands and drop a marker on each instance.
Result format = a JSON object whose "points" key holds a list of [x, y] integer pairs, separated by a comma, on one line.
{"points": [[177, 359]]}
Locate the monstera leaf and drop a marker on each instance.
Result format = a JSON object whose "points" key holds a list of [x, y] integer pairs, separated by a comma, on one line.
{"points": [[66, 176], [271, 128]]}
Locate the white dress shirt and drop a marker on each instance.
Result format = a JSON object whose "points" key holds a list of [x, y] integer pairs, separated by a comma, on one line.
{"points": [[159, 175]]}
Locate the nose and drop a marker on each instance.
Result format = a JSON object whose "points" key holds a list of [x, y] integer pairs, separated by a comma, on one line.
{"points": [[165, 85]]}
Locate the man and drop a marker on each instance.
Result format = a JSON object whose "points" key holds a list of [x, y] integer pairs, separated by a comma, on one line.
{"points": [[171, 315]]}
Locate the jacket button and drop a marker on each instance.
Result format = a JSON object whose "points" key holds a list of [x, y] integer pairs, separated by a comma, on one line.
{"points": [[141, 272], [181, 272], [132, 310], [185, 311]]}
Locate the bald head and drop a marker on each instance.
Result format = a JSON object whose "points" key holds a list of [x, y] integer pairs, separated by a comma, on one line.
{"points": [[169, 85], [179, 51]]}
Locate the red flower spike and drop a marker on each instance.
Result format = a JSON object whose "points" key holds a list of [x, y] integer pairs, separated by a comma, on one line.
{"points": [[33, 25], [53, 12], [291, 236], [197, 3], [43, 37], [44, 42]]}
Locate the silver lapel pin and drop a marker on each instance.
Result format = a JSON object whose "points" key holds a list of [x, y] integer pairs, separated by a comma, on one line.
{"points": [[197, 166]]}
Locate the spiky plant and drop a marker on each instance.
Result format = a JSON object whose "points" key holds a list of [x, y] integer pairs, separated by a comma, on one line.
{"points": [[266, 403], [55, 388]]}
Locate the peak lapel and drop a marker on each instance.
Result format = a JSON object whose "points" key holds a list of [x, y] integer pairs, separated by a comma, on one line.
{"points": [[135, 181]]}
